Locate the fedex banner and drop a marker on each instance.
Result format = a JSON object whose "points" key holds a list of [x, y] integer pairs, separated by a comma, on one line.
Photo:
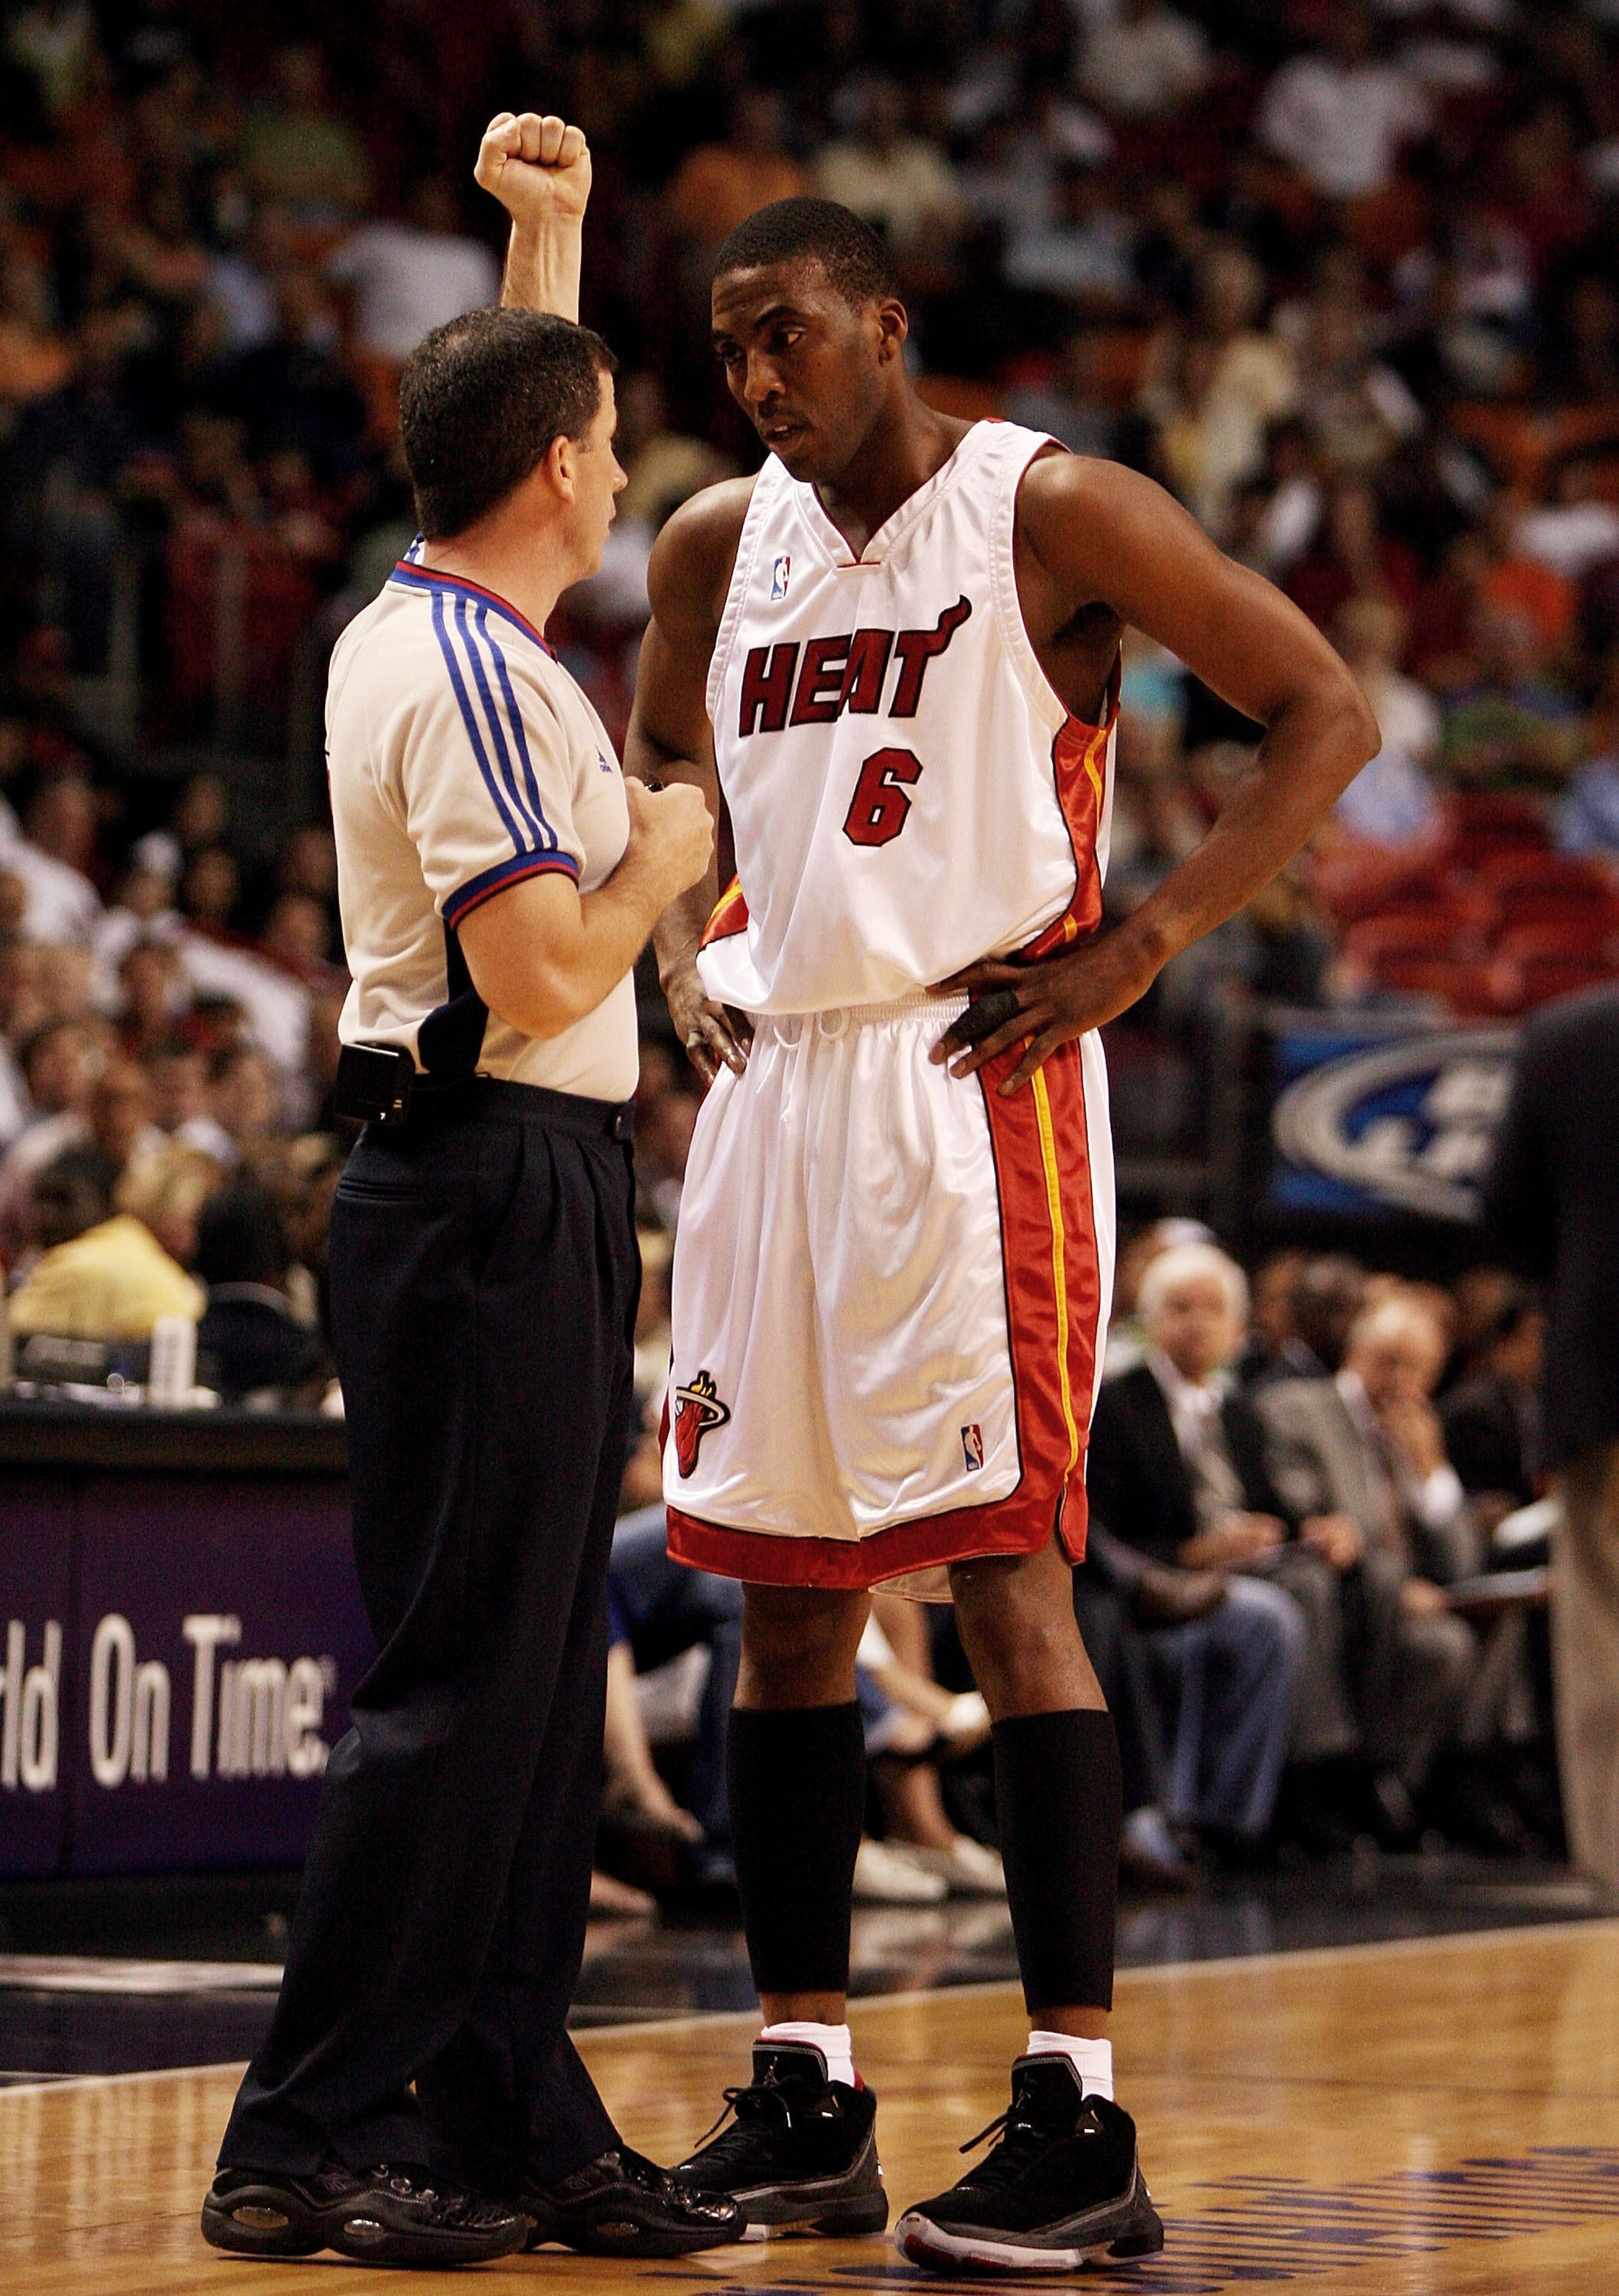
{"points": [[175, 1662], [1379, 1121]]}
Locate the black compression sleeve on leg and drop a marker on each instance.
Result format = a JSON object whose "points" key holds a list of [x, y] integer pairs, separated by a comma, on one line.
{"points": [[1057, 1796], [797, 1785]]}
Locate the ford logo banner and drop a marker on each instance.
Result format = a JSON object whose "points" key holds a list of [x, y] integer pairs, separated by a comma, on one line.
{"points": [[1374, 1126]]}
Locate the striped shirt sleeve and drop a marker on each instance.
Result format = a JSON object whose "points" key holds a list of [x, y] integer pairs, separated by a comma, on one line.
{"points": [[489, 775]]}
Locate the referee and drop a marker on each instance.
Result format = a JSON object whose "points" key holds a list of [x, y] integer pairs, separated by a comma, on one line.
{"points": [[417, 2100]]}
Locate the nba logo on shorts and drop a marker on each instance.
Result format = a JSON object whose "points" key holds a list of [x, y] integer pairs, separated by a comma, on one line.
{"points": [[779, 573], [972, 1447]]}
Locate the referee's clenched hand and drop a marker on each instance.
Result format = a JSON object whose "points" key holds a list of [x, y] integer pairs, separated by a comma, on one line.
{"points": [[671, 836]]}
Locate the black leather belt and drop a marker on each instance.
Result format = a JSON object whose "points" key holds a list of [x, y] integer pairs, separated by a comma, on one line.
{"points": [[381, 1084]]}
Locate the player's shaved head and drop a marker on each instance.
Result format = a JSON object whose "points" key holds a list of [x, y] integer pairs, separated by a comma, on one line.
{"points": [[847, 250], [481, 402]]}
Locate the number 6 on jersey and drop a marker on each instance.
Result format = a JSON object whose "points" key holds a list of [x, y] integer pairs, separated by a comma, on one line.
{"points": [[881, 801]]}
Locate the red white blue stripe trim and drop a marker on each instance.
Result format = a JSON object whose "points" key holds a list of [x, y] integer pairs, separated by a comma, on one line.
{"points": [[478, 889], [411, 577]]}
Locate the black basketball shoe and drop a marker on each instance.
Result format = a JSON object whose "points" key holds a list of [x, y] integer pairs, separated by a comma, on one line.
{"points": [[386, 2216], [622, 2204], [801, 2154], [1062, 2188]]}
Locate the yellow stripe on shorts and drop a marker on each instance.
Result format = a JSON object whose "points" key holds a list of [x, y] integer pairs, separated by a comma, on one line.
{"points": [[1053, 1191]]}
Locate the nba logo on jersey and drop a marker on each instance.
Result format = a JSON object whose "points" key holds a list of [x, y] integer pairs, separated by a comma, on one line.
{"points": [[972, 1447], [779, 573]]}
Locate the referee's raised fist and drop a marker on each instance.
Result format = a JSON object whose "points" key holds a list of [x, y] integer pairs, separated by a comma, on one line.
{"points": [[671, 835], [536, 165]]}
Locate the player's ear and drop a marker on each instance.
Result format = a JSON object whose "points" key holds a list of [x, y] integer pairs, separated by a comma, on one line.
{"points": [[893, 324]]}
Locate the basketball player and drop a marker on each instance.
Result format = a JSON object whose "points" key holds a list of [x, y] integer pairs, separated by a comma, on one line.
{"points": [[896, 651]]}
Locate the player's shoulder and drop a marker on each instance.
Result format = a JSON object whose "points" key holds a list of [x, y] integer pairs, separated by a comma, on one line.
{"points": [[694, 555], [1058, 483], [1080, 516]]}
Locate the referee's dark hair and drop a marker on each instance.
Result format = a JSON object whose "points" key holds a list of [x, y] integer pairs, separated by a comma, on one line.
{"points": [[846, 247], [481, 400]]}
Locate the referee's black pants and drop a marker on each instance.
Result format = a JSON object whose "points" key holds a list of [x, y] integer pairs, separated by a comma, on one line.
{"points": [[484, 1284]]}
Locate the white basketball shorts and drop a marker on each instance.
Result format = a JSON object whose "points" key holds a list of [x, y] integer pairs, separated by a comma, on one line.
{"points": [[889, 1293]]}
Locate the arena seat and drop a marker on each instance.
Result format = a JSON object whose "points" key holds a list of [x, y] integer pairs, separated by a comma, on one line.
{"points": [[1480, 823], [1518, 984]]}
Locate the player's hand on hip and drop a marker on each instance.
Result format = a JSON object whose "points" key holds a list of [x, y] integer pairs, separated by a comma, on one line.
{"points": [[1039, 1006], [714, 1035], [536, 165], [670, 836]]}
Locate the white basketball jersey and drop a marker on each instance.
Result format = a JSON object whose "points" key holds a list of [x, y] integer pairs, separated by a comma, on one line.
{"points": [[906, 791]]}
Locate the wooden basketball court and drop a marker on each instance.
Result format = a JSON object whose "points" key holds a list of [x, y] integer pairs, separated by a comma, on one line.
{"points": [[1421, 2119]]}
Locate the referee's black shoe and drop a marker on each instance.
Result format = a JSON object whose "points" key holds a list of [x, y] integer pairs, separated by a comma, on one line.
{"points": [[621, 2204], [1063, 2187], [801, 2154], [389, 2215]]}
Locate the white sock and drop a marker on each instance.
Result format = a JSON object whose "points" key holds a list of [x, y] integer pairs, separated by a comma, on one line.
{"points": [[1093, 2061], [833, 2042]]}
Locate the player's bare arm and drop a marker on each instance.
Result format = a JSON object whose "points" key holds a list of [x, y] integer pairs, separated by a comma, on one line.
{"points": [[538, 167], [670, 739], [1100, 547]]}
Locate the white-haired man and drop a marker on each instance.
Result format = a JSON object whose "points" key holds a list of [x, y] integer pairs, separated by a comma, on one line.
{"points": [[1361, 1457], [1177, 1470]]}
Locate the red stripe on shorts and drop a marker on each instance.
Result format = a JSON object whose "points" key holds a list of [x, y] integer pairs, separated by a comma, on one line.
{"points": [[1053, 1428]]}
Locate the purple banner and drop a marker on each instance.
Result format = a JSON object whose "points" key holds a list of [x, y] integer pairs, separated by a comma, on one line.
{"points": [[187, 1653]]}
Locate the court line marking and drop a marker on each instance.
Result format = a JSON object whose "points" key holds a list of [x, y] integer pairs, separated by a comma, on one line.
{"points": [[1159, 1972]]}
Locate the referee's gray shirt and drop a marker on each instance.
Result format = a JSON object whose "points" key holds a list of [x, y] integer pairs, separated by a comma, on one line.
{"points": [[463, 758]]}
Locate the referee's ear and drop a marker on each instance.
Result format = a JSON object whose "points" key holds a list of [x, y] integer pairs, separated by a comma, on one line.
{"points": [[560, 466]]}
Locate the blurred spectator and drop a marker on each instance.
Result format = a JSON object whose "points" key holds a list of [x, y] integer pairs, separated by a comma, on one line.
{"points": [[1177, 1469], [122, 1133], [58, 839], [241, 1095], [408, 274], [666, 1111], [1082, 251], [901, 182], [1511, 726], [1586, 819], [295, 390], [1341, 115], [1218, 386], [1328, 1293], [1491, 1418], [249, 1341], [1360, 1460], [165, 1192], [295, 149], [59, 1067], [153, 986], [212, 884], [96, 1277], [1143, 61], [718, 186], [1393, 799], [1352, 558]]}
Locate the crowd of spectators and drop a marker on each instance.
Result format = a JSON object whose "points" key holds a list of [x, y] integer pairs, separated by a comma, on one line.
{"points": [[1339, 273]]}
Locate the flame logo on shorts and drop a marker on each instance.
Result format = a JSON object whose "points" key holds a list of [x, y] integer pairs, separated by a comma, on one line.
{"points": [[696, 1409]]}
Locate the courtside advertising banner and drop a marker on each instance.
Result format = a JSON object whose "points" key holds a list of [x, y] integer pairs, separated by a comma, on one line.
{"points": [[175, 1664], [1377, 1120]]}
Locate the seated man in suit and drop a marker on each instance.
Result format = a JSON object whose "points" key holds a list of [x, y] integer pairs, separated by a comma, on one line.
{"points": [[1491, 1416], [1176, 1470], [1359, 1460]]}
